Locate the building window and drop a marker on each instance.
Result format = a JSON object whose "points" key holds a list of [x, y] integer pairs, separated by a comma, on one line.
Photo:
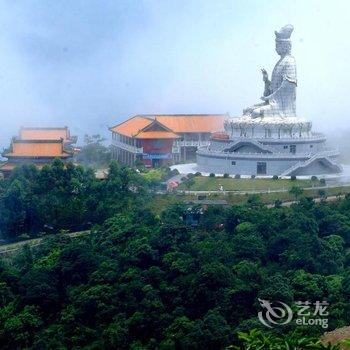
{"points": [[261, 168], [292, 149], [311, 146], [285, 147], [233, 162]]}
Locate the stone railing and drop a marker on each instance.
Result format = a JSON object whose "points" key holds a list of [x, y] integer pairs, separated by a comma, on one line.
{"points": [[206, 152], [127, 147], [191, 143], [311, 137]]}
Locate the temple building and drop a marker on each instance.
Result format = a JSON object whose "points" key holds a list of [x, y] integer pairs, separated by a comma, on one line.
{"points": [[38, 146], [26, 133], [163, 139]]}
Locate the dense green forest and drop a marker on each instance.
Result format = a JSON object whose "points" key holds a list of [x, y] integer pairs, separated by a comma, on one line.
{"points": [[146, 281], [65, 197]]}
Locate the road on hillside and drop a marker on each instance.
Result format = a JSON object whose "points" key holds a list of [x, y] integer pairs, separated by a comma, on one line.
{"points": [[12, 247]]}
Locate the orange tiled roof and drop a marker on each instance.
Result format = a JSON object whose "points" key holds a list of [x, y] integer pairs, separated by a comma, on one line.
{"points": [[193, 122], [220, 136], [132, 126], [177, 123], [35, 148], [157, 135], [44, 134]]}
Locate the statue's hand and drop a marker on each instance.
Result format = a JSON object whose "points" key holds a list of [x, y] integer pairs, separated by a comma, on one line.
{"points": [[265, 75]]}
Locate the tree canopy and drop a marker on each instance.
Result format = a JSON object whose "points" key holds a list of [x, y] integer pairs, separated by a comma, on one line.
{"points": [[146, 281]]}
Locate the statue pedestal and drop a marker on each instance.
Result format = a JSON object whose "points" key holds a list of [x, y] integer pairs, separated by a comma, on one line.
{"points": [[267, 127]]}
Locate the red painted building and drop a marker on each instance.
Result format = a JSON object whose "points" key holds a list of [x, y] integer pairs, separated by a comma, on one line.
{"points": [[163, 139]]}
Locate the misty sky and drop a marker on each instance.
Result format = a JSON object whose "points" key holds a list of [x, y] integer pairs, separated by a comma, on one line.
{"points": [[89, 64]]}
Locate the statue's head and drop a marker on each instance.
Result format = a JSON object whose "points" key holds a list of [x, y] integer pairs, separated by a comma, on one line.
{"points": [[283, 42]]}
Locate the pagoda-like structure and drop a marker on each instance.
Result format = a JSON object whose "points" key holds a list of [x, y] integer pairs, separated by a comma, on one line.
{"points": [[48, 133], [38, 146], [269, 138]]}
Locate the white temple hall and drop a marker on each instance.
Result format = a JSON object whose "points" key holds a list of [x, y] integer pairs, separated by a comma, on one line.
{"points": [[269, 138]]}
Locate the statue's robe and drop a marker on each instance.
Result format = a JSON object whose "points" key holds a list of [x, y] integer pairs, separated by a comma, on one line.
{"points": [[283, 101], [283, 90]]}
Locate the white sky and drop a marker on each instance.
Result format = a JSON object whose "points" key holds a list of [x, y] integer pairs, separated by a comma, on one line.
{"points": [[89, 64]]}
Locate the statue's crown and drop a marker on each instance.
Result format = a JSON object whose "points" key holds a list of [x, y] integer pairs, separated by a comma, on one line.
{"points": [[284, 33]]}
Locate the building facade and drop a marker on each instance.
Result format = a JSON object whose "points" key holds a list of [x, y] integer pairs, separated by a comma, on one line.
{"points": [[156, 140], [38, 146]]}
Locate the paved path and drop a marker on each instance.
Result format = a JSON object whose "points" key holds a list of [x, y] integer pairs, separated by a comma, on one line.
{"points": [[316, 200], [12, 247], [325, 187]]}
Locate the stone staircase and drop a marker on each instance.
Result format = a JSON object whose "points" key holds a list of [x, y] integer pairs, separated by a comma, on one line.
{"points": [[303, 164]]}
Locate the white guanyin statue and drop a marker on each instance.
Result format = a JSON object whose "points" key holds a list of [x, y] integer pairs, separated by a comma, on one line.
{"points": [[280, 92]]}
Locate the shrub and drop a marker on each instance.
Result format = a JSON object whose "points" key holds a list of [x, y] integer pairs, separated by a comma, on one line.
{"points": [[198, 174], [24, 236], [296, 191], [293, 178], [153, 176], [226, 176], [237, 176], [314, 178], [252, 177], [189, 183], [278, 203], [254, 199], [323, 181], [190, 176], [275, 177], [322, 193], [211, 175]]}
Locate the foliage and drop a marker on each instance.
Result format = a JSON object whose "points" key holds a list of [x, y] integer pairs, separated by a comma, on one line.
{"points": [[94, 152], [296, 191], [146, 281], [256, 339], [322, 193], [153, 176], [64, 197]]}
